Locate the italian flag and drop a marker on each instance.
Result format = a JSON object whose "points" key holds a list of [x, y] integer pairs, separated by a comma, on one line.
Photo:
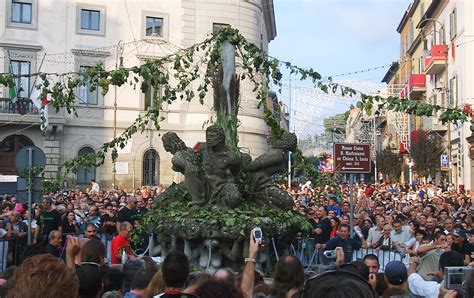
{"points": [[39, 97]]}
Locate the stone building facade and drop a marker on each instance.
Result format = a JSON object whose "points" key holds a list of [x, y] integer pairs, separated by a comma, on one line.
{"points": [[67, 36]]}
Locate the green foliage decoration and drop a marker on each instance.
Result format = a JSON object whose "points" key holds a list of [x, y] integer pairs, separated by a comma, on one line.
{"points": [[178, 74], [179, 218]]}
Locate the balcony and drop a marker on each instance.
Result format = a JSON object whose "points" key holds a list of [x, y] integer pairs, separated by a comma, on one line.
{"points": [[436, 62], [22, 111], [22, 106], [415, 87]]}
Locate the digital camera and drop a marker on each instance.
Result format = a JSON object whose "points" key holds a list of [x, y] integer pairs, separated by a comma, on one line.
{"points": [[457, 278]]}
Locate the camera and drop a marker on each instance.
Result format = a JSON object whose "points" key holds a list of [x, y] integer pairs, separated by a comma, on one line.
{"points": [[257, 235], [456, 277], [330, 254]]}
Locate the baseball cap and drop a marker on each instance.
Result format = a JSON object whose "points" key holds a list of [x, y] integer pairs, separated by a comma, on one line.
{"points": [[396, 272], [460, 233]]}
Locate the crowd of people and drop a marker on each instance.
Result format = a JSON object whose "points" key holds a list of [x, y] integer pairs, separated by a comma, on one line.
{"points": [[429, 224]]}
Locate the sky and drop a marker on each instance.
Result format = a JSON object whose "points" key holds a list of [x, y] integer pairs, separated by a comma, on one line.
{"points": [[335, 37]]}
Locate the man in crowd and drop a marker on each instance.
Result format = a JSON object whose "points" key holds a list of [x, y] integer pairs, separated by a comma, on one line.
{"points": [[175, 270], [54, 243], [121, 244], [91, 232], [431, 254], [349, 245], [50, 219], [321, 226], [376, 232], [400, 234], [128, 213], [431, 289], [94, 187], [396, 277]]}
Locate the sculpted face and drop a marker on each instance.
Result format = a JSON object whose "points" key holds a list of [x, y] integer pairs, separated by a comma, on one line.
{"points": [[172, 143], [214, 135]]}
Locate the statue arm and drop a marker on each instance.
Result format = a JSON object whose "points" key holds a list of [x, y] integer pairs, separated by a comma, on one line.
{"points": [[273, 157]]}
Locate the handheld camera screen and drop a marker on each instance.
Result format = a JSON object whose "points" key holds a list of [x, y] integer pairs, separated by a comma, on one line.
{"points": [[258, 234]]}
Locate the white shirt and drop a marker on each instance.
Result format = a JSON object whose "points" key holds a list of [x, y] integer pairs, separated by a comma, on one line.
{"points": [[421, 287], [374, 235], [34, 225], [95, 187], [401, 237]]}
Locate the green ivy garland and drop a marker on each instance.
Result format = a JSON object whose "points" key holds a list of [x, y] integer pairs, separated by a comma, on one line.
{"points": [[175, 73]]}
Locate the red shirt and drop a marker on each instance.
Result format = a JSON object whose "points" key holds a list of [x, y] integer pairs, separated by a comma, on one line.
{"points": [[120, 243], [368, 191]]}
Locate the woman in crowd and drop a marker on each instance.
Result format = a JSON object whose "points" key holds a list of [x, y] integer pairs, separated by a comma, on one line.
{"points": [[70, 225], [335, 223]]}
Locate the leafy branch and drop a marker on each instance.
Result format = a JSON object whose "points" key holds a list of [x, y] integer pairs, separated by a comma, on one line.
{"points": [[175, 75]]}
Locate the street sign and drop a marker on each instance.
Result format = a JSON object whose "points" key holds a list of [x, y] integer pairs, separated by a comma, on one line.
{"points": [[352, 158], [444, 162], [22, 158]]}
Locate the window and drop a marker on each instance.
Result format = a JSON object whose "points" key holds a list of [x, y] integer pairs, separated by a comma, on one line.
{"points": [[217, 26], [453, 30], [90, 19], [422, 9], [22, 84], [84, 175], [154, 26], [410, 34], [86, 96], [453, 92], [21, 12], [421, 64], [442, 36], [150, 167], [149, 97]]}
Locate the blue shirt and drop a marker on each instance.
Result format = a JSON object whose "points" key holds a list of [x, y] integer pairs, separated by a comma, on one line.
{"points": [[336, 209], [348, 246]]}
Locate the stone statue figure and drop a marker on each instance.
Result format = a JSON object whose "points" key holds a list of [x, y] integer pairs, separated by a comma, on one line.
{"points": [[185, 161], [264, 191], [220, 166]]}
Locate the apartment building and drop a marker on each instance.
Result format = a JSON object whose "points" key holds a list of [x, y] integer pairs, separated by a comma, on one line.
{"points": [[434, 68]]}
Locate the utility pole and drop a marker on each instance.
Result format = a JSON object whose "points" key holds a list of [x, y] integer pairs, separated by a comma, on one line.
{"points": [[289, 129], [118, 62]]}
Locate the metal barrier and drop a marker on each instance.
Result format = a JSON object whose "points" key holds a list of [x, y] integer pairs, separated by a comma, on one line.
{"points": [[314, 260], [10, 257]]}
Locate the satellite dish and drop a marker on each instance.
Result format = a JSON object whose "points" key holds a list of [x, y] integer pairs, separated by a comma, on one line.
{"points": [[22, 158]]}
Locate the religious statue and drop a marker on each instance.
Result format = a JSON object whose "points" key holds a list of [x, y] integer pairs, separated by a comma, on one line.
{"points": [[265, 191], [220, 166], [185, 161]]}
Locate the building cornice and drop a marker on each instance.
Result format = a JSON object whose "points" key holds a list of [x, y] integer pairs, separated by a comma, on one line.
{"points": [[21, 45], [269, 18], [406, 16], [428, 13], [391, 71], [90, 53], [414, 45]]}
